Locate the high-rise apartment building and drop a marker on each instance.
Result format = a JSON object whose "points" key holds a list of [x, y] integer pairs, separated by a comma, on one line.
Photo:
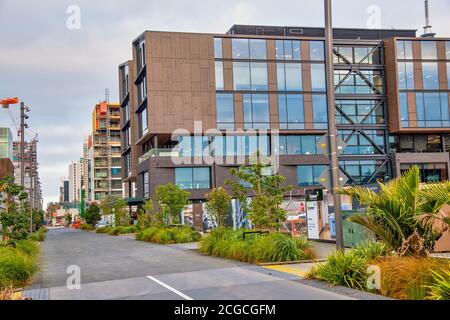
{"points": [[106, 170], [265, 87], [86, 174], [6, 152], [75, 169]]}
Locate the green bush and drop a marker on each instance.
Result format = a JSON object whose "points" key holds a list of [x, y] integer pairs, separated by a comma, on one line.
{"points": [[342, 269], [115, 231], [87, 227], [27, 247], [17, 265], [274, 247], [370, 250], [37, 236], [165, 235], [103, 230]]}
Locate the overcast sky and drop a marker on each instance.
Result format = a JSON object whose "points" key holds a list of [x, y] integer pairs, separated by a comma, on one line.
{"points": [[61, 72]]}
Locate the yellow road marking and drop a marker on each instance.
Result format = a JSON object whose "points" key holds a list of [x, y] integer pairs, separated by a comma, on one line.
{"points": [[286, 269]]}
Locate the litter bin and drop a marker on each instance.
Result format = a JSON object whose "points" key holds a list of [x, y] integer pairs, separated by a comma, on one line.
{"points": [[332, 222]]}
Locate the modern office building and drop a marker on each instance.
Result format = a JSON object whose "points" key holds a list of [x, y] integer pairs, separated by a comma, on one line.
{"points": [[6, 143], [64, 191], [106, 170], [32, 183], [268, 84]]}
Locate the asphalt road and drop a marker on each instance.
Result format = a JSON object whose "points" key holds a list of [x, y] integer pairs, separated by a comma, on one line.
{"points": [[122, 268]]}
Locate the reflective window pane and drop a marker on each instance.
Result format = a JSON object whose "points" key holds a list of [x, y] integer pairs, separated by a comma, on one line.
{"points": [[316, 50], [241, 75], [404, 116], [404, 49], [225, 111], [292, 74], [430, 75], [429, 50], [447, 49], [320, 113], [201, 178], [219, 75], [256, 111], [258, 73], [258, 49], [218, 53], [183, 178], [279, 49], [240, 48], [406, 75], [318, 79]]}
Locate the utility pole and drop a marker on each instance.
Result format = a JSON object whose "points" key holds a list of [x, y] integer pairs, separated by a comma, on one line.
{"points": [[22, 144], [334, 160]]}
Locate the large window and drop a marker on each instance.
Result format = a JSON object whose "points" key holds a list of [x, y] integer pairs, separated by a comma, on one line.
{"points": [[405, 75], [363, 142], [298, 145], [143, 122], [357, 55], [430, 75], [241, 145], [142, 90], [364, 171], [428, 172], [289, 77], [318, 80], [362, 82], [404, 113], [308, 176], [320, 112], [249, 49], [250, 76], [447, 50], [146, 184], [218, 51], [429, 50], [404, 50], [225, 111], [419, 143], [316, 50], [291, 111], [288, 50], [359, 112], [140, 52], [432, 110], [193, 178], [219, 75], [256, 111], [193, 146]]}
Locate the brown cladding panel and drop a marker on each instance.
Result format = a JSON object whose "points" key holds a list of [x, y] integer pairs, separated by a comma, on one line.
{"points": [[443, 76], [305, 50], [306, 77], [418, 75], [271, 49], [274, 117], [226, 46], [228, 75], [412, 114], [272, 72], [441, 54], [238, 110], [392, 84]]}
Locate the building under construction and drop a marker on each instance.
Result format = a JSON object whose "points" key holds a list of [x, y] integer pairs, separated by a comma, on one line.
{"points": [[105, 151], [32, 183]]}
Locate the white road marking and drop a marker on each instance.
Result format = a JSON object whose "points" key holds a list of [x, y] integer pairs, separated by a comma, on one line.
{"points": [[170, 288]]}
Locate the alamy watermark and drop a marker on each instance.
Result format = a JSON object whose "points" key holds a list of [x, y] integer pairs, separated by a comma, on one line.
{"points": [[73, 21], [73, 281]]}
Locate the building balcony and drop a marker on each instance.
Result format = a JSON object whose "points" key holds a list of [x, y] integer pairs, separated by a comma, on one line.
{"points": [[159, 153]]}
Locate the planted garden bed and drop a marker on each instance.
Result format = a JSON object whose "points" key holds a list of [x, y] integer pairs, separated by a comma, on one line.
{"points": [[168, 235]]}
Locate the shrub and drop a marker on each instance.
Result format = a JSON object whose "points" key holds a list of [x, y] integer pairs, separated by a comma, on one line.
{"points": [[274, 247], [16, 267], [115, 231], [168, 235], [27, 247], [87, 227], [370, 250], [103, 230], [408, 277], [342, 269], [37, 236], [440, 287]]}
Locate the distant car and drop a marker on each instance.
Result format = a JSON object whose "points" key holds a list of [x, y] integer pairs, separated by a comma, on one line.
{"points": [[101, 224]]}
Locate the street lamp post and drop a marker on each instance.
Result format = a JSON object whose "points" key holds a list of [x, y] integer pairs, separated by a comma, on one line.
{"points": [[334, 160]]}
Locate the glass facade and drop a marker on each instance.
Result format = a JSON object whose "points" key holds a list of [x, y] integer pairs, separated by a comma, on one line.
{"points": [[291, 111], [316, 51], [193, 178], [418, 143], [250, 76], [218, 50], [289, 77], [430, 75], [256, 111], [363, 142], [359, 112], [225, 111], [404, 50], [364, 171], [356, 55], [432, 110], [362, 82], [318, 79], [193, 146], [406, 75], [320, 111], [6, 143], [309, 176], [288, 50], [249, 49], [429, 50], [428, 172], [219, 75], [298, 145], [241, 145]]}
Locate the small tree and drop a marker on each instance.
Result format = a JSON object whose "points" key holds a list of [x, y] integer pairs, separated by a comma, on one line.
{"points": [[121, 214], [107, 205], [266, 191], [146, 216], [92, 215], [218, 205], [172, 200], [67, 219], [15, 220]]}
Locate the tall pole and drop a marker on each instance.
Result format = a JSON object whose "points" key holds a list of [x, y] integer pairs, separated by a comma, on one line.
{"points": [[22, 144], [334, 160]]}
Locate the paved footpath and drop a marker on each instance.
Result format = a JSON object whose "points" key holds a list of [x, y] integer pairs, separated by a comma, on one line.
{"points": [[122, 268]]}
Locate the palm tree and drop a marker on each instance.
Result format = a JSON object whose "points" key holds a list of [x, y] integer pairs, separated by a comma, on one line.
{"points": [[392, 214], [436, 205]]}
